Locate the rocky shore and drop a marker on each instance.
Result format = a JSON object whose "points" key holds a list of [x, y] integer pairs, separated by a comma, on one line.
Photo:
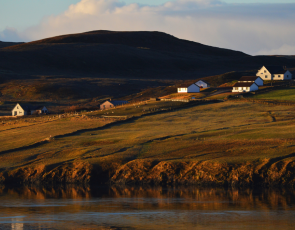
{"points": [[267, 173]]}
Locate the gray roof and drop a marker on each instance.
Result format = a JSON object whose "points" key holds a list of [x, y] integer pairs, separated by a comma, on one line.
{"points": [[186, 85], [203, 81], [249, 78], [118, 102], [244, 84], [275, 69]]}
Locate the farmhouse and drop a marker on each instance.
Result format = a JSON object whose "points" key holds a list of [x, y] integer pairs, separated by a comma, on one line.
{"points": [[112, 104], [274, 73], [255, 79], [187, 88], [22, 109], [244, 87], [203, 84]]}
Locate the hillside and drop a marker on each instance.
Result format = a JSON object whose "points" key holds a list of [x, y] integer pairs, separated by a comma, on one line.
{"points": [[104, 64], [152, 55], [7, 44], [233, 143]]}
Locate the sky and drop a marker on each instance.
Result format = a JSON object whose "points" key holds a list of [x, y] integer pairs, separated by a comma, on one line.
{"points": [[254, 27]]}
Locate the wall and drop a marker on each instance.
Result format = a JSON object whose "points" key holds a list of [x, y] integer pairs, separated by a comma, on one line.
{"points": [[106, 105], [19, 110], [193, 89], [261, 73], [182, 90]]}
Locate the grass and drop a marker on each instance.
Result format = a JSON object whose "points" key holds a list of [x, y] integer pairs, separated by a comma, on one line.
{"points": [[281, 94], [223, 132]]}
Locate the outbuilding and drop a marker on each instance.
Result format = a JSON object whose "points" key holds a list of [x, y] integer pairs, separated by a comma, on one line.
{"points": [[248, 79], [202, 84], [22, 109], [241, 87], [112, 104], [188, 88]]}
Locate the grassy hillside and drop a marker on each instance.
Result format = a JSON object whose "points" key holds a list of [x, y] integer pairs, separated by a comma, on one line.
{"points": [[287, 94], [234, 133]]}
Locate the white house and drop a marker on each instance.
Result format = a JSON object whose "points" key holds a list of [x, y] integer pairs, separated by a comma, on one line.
{"points": [[257, 80], [274, 73], [193, 88], [202, 84], [22, 109], [244, 87]]}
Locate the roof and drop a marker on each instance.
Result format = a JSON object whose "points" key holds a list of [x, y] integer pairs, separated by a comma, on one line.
{"points": [[281, 72], [275, 69], [244, 84], [203, 81], [28, 107], [117, 102], [186, 85], [248, 78]]}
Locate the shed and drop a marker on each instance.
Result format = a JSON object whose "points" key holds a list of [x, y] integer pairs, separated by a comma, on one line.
{"points": [[245, 87], [188, 88], [202, 84], [112, 104], [257, 80], [22, 109]]}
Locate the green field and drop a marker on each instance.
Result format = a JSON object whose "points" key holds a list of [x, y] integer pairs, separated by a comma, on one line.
{"points": [[280, 94]]}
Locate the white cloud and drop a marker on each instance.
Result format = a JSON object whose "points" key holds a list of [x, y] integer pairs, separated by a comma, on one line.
{"points": [[10, 35], [252, 28]]}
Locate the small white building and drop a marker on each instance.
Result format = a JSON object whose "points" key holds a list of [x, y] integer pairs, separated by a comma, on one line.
{"points": [[242, 87], [202, 84], [248, 79], [274, 73], [22, 109], [193, 88]]}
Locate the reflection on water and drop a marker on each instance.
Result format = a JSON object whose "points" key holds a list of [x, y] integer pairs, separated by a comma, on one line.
{"points": [[75, 207]]}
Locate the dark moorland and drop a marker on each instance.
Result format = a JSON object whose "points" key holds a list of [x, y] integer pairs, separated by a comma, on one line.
{"points": [[102, 64]]}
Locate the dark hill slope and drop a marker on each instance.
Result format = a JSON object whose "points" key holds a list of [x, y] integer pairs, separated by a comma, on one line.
{"points": [[7, 44], [151, 40], [152, 55]]}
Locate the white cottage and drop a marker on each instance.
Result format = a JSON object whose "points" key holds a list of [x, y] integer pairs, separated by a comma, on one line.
{"points": [[203, 84], [22, 109], [193, 88], [248, 79], [274, 73], [241, 87]]}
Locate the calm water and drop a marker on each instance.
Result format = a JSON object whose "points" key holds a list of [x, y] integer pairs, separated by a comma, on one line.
{"points": [[145, 208]]}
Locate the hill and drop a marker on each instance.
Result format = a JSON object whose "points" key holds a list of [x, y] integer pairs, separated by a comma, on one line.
{"points": [[152, 55], [7, 44], [102, 64]]}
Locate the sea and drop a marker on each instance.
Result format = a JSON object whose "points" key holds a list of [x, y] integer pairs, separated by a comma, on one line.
{"points": [[146, 207]]}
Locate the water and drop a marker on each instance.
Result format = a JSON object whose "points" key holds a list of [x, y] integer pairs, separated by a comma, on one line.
{"points": [[145, 208]]}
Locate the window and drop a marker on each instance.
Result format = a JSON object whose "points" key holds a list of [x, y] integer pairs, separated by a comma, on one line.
{"points": [[265, 76], [264, 71], [279, 75], [17, 107]]}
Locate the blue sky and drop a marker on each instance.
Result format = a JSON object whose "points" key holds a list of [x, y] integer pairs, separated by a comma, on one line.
{"points": [[264, 27], [20, 14]]}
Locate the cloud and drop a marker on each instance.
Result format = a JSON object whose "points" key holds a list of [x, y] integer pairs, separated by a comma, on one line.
{"points": [[11, 34], [252, 28]]}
